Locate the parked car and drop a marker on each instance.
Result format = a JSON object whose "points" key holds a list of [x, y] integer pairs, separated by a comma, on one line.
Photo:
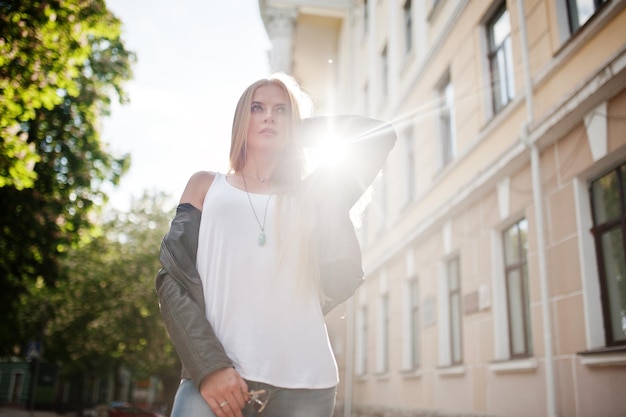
{"points": [[118, 409], [130, 411]]}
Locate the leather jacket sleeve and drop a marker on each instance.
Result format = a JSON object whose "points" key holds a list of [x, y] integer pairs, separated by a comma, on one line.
{"points": [[181, 299], [365, 144], [340, 263], [336, 188]]}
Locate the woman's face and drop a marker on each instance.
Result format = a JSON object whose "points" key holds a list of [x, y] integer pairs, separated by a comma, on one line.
{"points": [[269, 119]]}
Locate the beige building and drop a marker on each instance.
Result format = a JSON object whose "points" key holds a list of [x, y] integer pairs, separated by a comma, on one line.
{"points": [[495, 239]]}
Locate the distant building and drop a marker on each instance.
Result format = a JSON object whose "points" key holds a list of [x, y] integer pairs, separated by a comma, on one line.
{"points": [[17, 388], [54, 390], [495, 241], [14, 382]]}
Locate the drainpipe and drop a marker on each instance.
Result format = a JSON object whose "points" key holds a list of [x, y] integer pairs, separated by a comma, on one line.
{"points": [[539, 220]]}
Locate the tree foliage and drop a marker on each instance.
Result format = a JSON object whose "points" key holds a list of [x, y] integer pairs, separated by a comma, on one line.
{"points": [[44, 48], [61, 62], [106, 314], [106, 310]]}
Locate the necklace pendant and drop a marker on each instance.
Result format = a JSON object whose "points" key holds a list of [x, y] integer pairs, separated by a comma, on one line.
{"points": [[261, 239]]}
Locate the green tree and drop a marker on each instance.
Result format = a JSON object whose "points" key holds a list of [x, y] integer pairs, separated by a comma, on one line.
{"points": [[61, 62], [106, 313], [44, 45]]}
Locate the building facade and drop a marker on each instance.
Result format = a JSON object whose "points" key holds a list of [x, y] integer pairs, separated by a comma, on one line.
{"points": [[494, 240]]}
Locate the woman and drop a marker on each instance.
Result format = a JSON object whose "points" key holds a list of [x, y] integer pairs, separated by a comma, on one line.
{"points": [[255, 258]]}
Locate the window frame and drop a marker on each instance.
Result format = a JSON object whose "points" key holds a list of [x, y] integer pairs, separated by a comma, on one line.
{"points": [[362, 334], [598, 231], [446, 121], [382, 362], [407, 15], [495, 52], [573, 19], [454, 293], [382, 349], [366, 17], [381, 190], [414, 323], [16, 387], [384, 72], [521, 266], [411, 165]]}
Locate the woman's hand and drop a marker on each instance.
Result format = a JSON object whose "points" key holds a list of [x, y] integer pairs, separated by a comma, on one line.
{"points": [[365, 143], [225, 391]]}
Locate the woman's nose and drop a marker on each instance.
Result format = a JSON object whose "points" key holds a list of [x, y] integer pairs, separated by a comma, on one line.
{"points": [[269, 115]]}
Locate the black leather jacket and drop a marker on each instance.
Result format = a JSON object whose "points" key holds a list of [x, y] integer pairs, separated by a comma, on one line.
{"points": [[179, 286], [181, 299]]}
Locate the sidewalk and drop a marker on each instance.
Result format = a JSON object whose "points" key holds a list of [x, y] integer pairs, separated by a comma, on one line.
{"points": [[20, 412]]}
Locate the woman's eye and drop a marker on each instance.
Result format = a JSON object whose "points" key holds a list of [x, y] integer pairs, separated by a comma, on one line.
{"points": [[281, 110], [256, 107]]}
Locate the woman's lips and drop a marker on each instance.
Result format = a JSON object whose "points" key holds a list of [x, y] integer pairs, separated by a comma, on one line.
{"points": [[268, 131]]}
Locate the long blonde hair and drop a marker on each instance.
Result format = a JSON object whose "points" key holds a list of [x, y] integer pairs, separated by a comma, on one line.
{"points": [[294, 208], [291, 168]]}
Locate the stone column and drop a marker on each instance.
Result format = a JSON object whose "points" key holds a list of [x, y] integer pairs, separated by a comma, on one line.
{"points": [[280, 24]]}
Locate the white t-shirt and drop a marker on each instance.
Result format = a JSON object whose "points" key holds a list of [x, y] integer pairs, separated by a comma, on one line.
{"points": [[270, 330]]}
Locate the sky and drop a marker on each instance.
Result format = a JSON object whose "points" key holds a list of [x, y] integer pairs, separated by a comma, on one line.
{"points": [[194, 59]]}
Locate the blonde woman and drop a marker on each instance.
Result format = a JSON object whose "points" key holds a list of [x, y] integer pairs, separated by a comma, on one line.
{"points": [[255, 257]]}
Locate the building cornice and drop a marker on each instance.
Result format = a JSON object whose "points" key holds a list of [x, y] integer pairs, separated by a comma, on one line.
{"points": [[336, 8]]}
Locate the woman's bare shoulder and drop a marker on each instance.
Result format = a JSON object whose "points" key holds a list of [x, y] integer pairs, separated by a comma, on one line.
{"points": [[196, 188]]}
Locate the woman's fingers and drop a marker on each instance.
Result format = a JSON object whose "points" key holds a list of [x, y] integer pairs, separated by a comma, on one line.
{"points": [[225, 392]]}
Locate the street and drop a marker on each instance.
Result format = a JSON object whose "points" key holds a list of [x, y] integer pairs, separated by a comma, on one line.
{"points": [[20, 412]]}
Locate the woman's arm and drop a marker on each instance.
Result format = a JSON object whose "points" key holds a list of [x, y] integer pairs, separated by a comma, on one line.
{"points": [[181, 299], [196, 188], [365, 144], [182, 305], [335, 186]]}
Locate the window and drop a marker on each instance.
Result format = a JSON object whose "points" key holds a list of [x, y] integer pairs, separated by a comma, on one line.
{"points": [[382, 358], [454, 304], [384, 72], [500, 58], [516, 278], [382, 189], [410, 316], [407, 12], [365, 17], [410, 164], [361, 340], [366, 98], [16, 387], [414, 323], [608, 205], [580, 11], [447, 132]]}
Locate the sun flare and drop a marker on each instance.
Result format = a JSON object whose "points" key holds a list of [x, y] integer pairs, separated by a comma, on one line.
{"points": [[332, 152]]}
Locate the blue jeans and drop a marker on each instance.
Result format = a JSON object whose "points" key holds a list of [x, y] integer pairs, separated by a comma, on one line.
{"points": [[281, 402]]}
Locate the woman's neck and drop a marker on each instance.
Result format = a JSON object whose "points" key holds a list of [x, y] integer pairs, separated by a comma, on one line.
{"points": [[255, 175], [260, 166], [250, 183]]}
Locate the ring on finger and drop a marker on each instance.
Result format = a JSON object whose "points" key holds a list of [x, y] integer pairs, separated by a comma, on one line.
{"points": [[223, 403]]}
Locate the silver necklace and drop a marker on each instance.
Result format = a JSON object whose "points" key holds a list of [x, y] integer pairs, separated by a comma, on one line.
{"points": [[259, 179], [261, 238]]}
